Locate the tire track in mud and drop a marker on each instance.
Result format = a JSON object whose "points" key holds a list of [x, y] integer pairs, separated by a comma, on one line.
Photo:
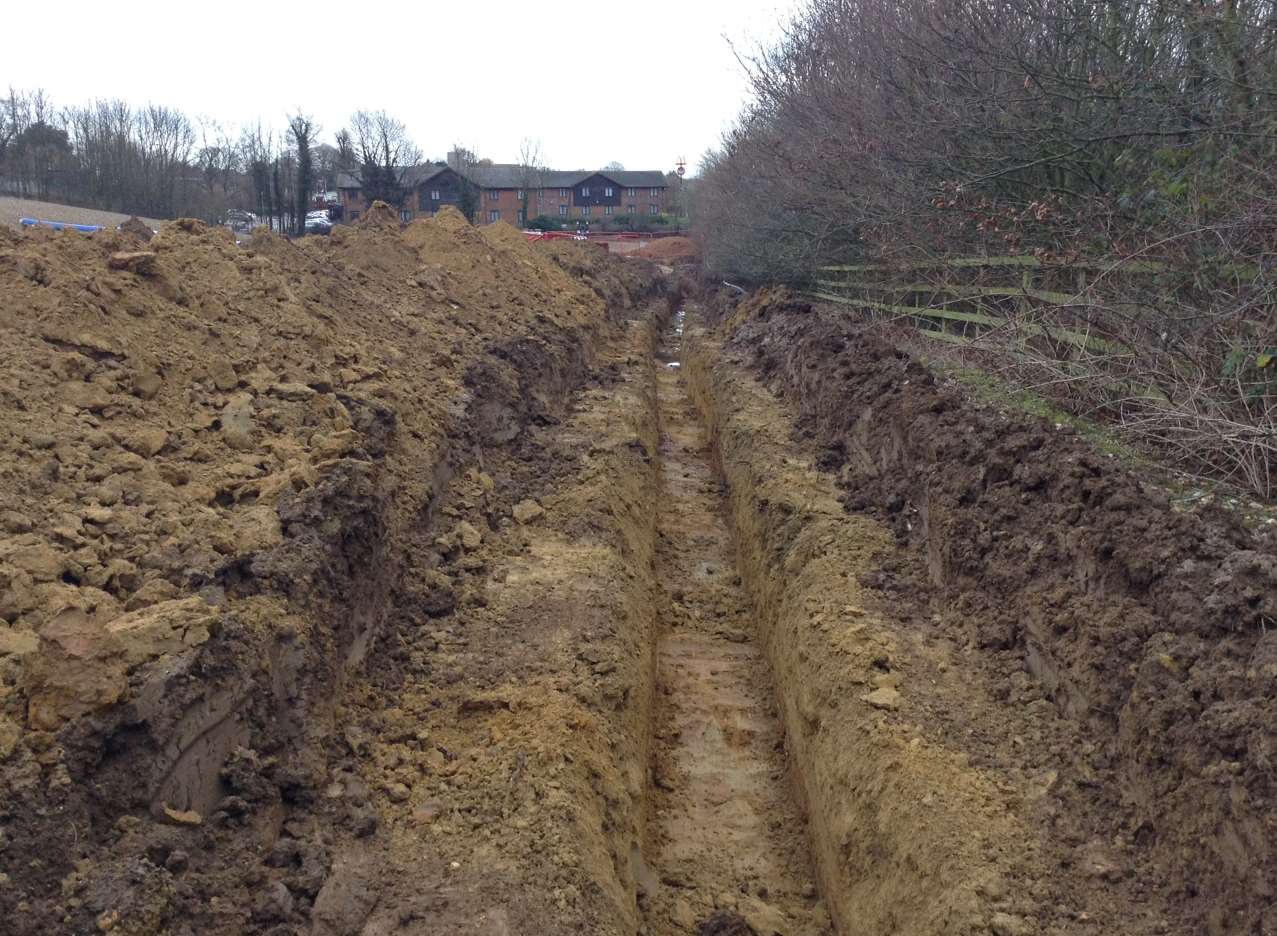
{"points": [[726, 841]]}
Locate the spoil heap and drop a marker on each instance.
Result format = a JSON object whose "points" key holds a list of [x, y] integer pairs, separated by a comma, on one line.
{"points": [[669, 250], [1126, 642], [212, 452]]}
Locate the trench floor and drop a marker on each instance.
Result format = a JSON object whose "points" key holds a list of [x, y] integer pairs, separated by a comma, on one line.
{"points": [[725, 835]]}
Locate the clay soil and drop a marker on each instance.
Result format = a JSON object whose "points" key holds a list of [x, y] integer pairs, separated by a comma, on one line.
{"points": [[725, 830], [1117, 653], [421, 581], [669, 250]]}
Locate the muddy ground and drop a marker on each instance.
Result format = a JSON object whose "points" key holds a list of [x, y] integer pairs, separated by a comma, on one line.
{"points": [[1137, 640], [420, 580]]}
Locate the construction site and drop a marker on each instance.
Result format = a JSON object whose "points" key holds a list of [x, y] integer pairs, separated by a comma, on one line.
{"points": [[863, 524], [426, 580]]}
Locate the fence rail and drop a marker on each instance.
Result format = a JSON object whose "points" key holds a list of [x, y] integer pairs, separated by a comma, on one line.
{"points": [[962, 299]]}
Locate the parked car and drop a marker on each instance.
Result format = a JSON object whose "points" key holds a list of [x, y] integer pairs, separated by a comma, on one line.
{"points": [[237, 219], [317, 223]]}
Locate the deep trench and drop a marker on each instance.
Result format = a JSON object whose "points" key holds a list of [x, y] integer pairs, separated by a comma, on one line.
{"points": [[724, 830]]}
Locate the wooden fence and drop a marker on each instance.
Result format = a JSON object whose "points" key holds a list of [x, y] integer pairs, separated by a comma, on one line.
{"points": [[1083, 304]]}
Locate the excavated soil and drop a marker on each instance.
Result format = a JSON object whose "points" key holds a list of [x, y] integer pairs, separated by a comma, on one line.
{"points": [[669, 249], [421, 580], [725, 835], [226, 471], [1123, 652]]}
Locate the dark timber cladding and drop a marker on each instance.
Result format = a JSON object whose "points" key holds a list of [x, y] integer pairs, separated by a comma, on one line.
{"points": [[445, 183], [597, 189]]}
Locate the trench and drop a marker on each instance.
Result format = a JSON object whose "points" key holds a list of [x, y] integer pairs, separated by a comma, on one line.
{"points": [[726, 840]]}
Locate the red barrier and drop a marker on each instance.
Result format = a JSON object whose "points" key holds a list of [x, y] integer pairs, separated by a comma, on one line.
{"points": [[601, 236]]}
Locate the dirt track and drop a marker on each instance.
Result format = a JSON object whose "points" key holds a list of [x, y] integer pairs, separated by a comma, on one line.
{"points": [[397, 582]]}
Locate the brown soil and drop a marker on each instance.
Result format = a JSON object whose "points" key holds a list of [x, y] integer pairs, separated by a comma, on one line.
{"points": [[404, 582], [669, 250], [908, 834], [725, 833], [1135, 637], [224, 467]]}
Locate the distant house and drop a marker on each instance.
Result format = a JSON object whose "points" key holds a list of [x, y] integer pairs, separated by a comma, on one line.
{"points": [[503, 189], [429, 187]]}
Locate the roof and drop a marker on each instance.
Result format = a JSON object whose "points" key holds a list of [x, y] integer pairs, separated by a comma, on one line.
{"points": [[638, 178], [646, 178], [502, 176], [512, 176], [412, 176]]}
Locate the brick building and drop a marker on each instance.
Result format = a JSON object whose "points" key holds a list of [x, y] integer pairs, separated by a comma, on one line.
{"points": [[504, 190]]}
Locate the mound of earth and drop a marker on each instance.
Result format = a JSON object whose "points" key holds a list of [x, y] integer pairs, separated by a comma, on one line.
{"points": [[211, 453], [596, 268], [1072, 584], [669, 250]]}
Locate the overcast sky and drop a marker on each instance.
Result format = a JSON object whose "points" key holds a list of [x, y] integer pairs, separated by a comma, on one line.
{"points": [[642, 82]]}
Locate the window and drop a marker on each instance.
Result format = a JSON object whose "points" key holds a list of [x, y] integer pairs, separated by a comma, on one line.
{"points": [[405, 215], [522, 217], [607, 209], [585, 191], [519, 194], [653, 209], [563, 193], [494, 195], [496, 215], [631, 208], [607, 192], [563, 209], [656, 193], [631, 192], [434, 194], [585, 211]]}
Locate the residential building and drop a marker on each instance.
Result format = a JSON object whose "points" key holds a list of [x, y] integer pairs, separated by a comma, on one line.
{"points": [[517, 194]]}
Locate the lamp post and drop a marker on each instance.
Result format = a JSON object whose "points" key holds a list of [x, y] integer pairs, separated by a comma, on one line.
{"points": [[680, 169]]}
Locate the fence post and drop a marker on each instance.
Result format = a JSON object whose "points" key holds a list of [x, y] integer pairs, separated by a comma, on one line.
{"points": [[1026, 285]]}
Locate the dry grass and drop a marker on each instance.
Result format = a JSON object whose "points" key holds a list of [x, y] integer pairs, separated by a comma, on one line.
{"points": [[13, 209]]}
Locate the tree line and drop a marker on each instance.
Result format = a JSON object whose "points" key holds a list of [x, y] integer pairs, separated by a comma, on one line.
{"points": [[159, 162], [956, 125], [1114, 130]]}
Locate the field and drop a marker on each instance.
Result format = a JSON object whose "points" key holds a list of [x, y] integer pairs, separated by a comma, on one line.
{"points": [[14, 209]]}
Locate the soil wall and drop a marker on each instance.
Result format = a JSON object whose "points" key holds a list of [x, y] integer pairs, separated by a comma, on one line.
{"points": [[502, 745], [908, 836], [1063, 577]]}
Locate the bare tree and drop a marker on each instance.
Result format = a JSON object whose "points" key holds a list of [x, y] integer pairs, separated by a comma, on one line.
{"points": [[347, 160], [218, 161], [327, 159], [385, 153], [257, 148], [1057, 128], [532, 175]]}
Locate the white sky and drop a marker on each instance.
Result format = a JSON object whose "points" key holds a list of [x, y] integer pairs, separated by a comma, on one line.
{"points": [[642, 82]]}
